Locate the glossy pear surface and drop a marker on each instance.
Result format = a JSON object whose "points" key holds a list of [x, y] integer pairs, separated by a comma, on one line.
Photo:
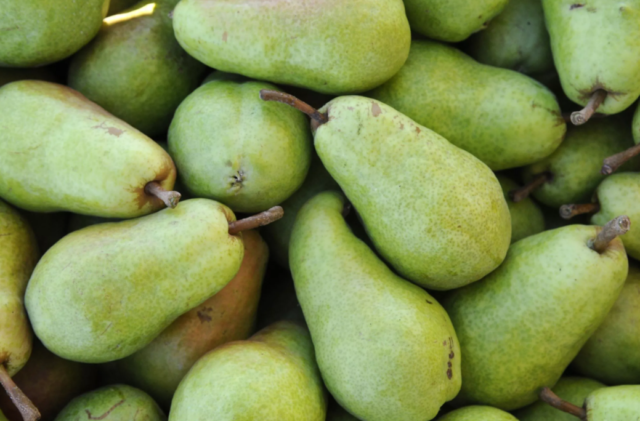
{"points": [[478, 413], [526, 216]]}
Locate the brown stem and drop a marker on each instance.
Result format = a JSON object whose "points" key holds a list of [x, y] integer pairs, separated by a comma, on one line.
{"points": [[27, 409], [569, 211], [615, 227], [523, 192], [315, 115], [615, 161], [170, 198], [582, 116], [255, 221], [547, 396]]}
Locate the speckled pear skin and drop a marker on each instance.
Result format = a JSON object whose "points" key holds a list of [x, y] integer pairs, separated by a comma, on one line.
{"points": [[272, 376], [35, 33], [617, 403], [278, 234], [516, 39], [386, 349], [106, 291], [433, 211], [586, 40], [551, 289], [135, 69], [231, 146], [570, 389], [59, 151], [526, 216], [478, 413], [611, 354], [575, 165], [228, 316], [618, 194], [451, 20], [113, 403], [447, 91], [329, 46], [18, 256]]}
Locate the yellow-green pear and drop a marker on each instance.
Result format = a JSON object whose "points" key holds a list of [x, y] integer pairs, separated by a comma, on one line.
{"points": [[478, 413]]}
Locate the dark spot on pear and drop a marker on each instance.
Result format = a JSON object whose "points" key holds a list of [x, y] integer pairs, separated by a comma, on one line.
{"points": [[375, 109], [576, 6], [428, 301], [449, 374]]}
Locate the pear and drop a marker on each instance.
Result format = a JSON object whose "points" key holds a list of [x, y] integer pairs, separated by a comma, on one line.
{"points": [[555, 287], [385, 347], [59, 151], [232, 147], [516, 39], [451, 20], [618, 403], [572, 389], [117, 402], [504, 118], [135, 69], [227, 316], [332, 46], [611, 354], [36, 33], [614, 162], [272, 376], [526, 216], [586, 38], [478, 413]]}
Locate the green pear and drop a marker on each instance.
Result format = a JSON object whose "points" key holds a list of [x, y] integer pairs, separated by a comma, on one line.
{"points": [[228, 316], [451, 20], [478, 413], [611, 354], [618, 403], [334, 47], [555, 288], [35, 33], [516, 39], [231, 146], [614, 162], [502, 117], [526, 216], [586, 39], [117, 6], [272, 376], [114, 403], [106, 291], [59, 151], [572, 389], [386, 349], [278, 234], [135, 69]]}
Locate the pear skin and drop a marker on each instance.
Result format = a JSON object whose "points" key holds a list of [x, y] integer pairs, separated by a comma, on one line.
{"points": [[477, 413], [617, 403], [526, 217]]}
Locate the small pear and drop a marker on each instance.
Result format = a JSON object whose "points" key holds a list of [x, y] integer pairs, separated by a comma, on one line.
{"points": [[478, 413], [526, 216], [272, 376], [618, 403]]}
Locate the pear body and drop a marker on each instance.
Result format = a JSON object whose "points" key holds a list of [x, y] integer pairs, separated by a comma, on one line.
{"points": [[228, 316], [516, 39], [478, 413], [551, 288], [231, 146], [408, 185], [452, 20], [18, 256], [135, 69], [611, 354], [617, 403], [526, 216], [60, 151], [586, 38], [359, 312], [106, 291], [36, 33], [272, 376], [502, 117], [115, 403], [329, 46]]}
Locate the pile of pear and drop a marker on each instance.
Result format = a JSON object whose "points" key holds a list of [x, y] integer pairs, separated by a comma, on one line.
{"points": [[277, 210]]}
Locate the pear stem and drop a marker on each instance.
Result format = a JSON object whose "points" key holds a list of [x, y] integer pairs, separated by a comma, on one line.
{"points": [[27, 409], [255, 221], [523, 192], [615, 227], [569, 211], [315, 115], [614, 162], [170, 198], [547, 396], [597, 98]]}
